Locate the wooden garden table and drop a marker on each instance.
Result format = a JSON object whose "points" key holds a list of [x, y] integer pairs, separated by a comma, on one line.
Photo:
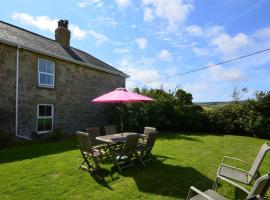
{"points": [[115, 138]]}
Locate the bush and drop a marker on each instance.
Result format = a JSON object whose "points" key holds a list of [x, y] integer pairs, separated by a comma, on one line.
{"points": [[5, 139], [55, 135], [171, 111], [52, 136], [174, 111], [251, 117]]}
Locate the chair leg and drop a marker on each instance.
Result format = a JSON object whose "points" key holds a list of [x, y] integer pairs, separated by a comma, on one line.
{"points": [[131, 162], [215, 184], [117, 165], [140, 158]]}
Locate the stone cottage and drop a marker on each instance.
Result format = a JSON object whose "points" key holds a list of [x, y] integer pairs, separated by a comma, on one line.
{"points": [[46, 84]]}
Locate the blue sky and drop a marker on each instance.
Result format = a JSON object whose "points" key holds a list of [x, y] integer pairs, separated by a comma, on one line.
{"points": [[153, 39]]}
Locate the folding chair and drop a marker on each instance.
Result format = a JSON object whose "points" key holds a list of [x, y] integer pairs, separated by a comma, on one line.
{"points": [[123, 157], [88, 152], [239, 174], [143, 152], [257, 192], [110, 130]]}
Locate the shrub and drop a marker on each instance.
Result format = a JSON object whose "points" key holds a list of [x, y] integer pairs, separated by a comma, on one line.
{"points": [[174, 111], [55, 135], [5, 139], [251, 117], [171, 111], [52, 136]]}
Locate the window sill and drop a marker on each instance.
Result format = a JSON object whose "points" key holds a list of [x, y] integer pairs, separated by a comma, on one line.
{"points": [[46, 86], [43, 132]]}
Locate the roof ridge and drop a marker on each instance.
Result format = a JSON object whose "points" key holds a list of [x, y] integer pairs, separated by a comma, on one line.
{"points": [[27, 30]]}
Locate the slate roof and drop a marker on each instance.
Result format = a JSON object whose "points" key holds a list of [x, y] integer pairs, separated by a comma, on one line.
{"points": [[35, 42]]}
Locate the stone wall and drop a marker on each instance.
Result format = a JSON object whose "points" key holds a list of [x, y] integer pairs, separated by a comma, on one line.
{"points": [[75, 86], [7, 87]]}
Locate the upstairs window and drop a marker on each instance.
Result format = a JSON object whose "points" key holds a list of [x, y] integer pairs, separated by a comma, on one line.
{"points": [[44, 118], [46, 73]]}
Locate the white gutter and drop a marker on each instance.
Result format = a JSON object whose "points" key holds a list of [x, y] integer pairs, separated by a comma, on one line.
{"points": [[17, 89], [65, 59]]}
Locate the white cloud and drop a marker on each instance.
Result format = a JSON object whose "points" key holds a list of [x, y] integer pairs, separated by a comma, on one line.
{"points": [[107, 21], [165, 55], [215, 41], [201, 51], [77, 32], [194, 30], [141, 42], [231, 74], [87, 3], [148, 15], [140, 71], [196, 87], [121, 50], [123, 3], [100, 38], [263, 33], [44, 23], [173, 11], [229, 45]]}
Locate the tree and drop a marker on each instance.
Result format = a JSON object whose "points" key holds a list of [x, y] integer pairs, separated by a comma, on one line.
{"points": [[237, 93], [183, 97]]}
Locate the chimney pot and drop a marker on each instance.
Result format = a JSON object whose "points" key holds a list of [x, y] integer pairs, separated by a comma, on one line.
{"points": [[62, 34]]}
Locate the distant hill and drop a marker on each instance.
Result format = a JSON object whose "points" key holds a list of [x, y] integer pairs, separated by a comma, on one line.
{"points": [[214, 104]]}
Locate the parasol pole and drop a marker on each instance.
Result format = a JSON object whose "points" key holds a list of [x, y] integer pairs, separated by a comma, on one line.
{"points": [[121, 118]]}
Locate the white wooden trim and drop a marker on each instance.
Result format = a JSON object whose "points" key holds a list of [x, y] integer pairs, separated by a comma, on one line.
{"points": [[52, 117], [53, 74]]}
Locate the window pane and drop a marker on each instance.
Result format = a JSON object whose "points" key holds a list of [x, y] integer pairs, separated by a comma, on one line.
{"points": [[42, 65], [41, 125], [44, 124], [49, 111], [42, 78], [42, 111], [49, 79], [48, 124], [50, 67]]}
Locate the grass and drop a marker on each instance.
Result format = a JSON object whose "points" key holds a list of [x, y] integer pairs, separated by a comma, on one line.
{"points": [[49, 170]]}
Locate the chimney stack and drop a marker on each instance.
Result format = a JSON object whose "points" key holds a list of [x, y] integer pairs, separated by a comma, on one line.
{"points": [[62, 34]]}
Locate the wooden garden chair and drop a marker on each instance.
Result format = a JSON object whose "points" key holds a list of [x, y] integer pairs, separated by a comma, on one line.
{"points": [[147, 130], [94, 132], [110, 130], [88, 152], [143, 152], [123, 157]]}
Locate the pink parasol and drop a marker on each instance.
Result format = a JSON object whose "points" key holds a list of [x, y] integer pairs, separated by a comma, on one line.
{"points": [[121, 95]]}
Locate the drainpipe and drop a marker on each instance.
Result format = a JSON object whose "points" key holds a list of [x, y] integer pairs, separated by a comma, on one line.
{"points": [[17, 89], [17, 94]]}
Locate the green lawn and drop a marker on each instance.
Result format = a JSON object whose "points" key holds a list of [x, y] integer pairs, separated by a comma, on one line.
{"points": [[49, 170]]}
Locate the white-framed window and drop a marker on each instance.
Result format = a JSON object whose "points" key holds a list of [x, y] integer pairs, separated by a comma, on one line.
{"points": [[45, 114], [46, 73]]}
